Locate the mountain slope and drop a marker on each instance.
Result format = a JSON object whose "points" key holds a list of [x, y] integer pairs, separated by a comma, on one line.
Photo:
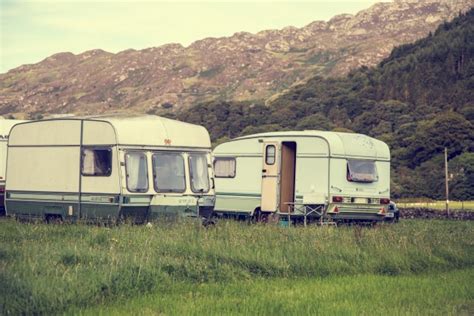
{"points": [[419, 100], [241, 67]]}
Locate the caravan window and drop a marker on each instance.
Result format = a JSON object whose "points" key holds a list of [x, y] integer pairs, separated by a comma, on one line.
{"points": [[361, 171], [224, 167], [96, 162], [137, 172], [168, 172], [270, 154], [198, 170]]}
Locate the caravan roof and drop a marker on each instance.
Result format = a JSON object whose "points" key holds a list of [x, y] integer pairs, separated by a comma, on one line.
{"points": [[340, 144], [137, 130]]}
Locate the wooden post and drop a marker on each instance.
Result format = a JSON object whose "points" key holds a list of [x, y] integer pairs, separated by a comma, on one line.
{"points": [[446, 178]]}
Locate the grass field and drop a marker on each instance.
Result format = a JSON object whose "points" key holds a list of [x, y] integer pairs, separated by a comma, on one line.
{"points": [[432, 294], [415, 267], [437, 205]]}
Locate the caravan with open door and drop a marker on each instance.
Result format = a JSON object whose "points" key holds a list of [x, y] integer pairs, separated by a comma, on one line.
{"points": [[109, 168], [314, 174], [5, 127]]}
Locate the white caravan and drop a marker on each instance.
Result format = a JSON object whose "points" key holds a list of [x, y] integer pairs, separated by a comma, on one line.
{"points": [[322, 175], [109, 168], [5, 127]]}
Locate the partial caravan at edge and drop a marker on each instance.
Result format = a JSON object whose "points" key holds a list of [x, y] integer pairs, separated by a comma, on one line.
{"points": [[108, 168], [5, 127], [312, 175]]}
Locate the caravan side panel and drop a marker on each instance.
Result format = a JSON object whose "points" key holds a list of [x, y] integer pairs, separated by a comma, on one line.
{"points": [[43, 168], [101, 135], [46, 133], [312, 167], [240, 194], [43, 180], [100, 195], [98, 133], [3, 159]]}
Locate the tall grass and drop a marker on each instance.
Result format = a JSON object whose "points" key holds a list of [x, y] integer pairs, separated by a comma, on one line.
{"points": [[446, 293], [49, 268]]}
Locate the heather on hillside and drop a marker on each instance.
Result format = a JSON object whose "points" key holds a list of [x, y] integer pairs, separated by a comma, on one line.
{"points": [[243, 66]]}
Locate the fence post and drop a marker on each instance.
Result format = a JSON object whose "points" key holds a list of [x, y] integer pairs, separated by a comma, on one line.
{"points": [[446, 178]]}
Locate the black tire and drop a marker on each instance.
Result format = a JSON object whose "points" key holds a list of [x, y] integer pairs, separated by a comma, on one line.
{"points": [[208, 222], [54, 219], [257, 216]]}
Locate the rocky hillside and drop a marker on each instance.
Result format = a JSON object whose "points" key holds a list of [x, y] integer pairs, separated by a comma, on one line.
{"points": [[241, 67]]}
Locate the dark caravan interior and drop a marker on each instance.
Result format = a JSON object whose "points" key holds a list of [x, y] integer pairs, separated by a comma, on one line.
{"points": [[287, 177]]}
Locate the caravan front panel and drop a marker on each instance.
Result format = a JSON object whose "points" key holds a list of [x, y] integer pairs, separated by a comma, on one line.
{"points": [[90, 168]]}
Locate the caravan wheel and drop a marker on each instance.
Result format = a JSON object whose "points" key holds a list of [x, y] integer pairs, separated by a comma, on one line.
{"points": [[208, 222], [54, 219], [256, 217]]}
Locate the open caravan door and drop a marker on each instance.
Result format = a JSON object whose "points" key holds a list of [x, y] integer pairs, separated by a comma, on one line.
{"points": [[270, 177]]}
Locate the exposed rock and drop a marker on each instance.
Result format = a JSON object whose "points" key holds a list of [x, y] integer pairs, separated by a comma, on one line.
{"points": [[278, 46]]}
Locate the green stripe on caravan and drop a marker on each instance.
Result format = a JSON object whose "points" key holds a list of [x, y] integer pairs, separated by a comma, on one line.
{"points": [[239, 194], [247, 194]]}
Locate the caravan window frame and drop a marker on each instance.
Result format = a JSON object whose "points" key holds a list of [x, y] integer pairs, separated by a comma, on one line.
{"points": [[273, 156], [177, 153], [109, 171], [225, 159], [146, 169], [349, 171]]}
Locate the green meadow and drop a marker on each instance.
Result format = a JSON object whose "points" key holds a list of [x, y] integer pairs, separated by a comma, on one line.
{"points": [[414, 267]]}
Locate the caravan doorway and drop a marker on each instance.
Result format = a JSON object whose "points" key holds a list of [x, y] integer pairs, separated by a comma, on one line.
{"points": [[287, 175]]}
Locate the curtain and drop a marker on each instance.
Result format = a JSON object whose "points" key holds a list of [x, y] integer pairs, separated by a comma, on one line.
{"points": [[225, 168], [200, 176], [136, 172], [88, 162]]}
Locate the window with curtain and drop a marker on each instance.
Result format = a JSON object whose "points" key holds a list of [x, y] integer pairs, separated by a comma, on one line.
{"points": [[168, 172], [199, 173], [96, 162], [361, 170], [224, 167], [137, 174]]}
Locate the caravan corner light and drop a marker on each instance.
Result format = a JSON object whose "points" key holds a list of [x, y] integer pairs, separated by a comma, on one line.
{"points": [[337, 199], [384, 201]]}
